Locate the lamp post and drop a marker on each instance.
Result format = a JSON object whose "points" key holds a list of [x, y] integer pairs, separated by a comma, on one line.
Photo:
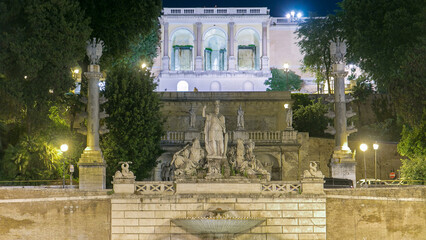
{"points": [[364, 148], [375, 146], [71, 172], [64, 148], [286, 69]]}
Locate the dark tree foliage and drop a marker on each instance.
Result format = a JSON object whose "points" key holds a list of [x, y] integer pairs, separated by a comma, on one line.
{"points": [[134, 121], [314, 41], [310, 118], [387, 38], [120, 24], [40, 42], [283, 81]]}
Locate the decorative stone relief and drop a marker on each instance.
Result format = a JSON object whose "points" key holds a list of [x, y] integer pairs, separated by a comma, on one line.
{"points": [[125, 175], [313, 172]]}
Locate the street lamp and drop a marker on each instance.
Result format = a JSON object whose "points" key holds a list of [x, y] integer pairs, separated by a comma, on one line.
{"points": [[375, 146], [364, 148], [64, 148], [286, 69], [143, 66]]}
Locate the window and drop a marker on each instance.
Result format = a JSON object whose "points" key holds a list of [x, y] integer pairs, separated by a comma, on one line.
{"points": [[182, 50], [215, 50], [248, 50]]}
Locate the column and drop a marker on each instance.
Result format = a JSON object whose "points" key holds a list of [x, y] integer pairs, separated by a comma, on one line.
{"points": [[198, 41], [166, 58], [265, 58], [231, 51]]}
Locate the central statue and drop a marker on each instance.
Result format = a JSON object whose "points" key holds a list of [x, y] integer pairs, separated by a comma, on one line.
{"points": [[216, 138]]}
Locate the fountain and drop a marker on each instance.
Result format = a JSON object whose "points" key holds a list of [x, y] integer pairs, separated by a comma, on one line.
{"points": [[217, 225]]}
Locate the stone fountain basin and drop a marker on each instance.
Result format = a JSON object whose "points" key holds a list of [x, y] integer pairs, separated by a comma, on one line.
{"points": [[225, 225]]}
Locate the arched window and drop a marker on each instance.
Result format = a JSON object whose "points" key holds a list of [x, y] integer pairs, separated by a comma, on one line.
{"points": [[215, 50], [248, 86], [248, 50], [182, 86], [182, 54], [215, 86]]}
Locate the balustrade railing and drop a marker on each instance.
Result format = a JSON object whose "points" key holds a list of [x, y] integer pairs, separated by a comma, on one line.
{"points": [[267, 137], [173, 137], [154, 187], [281, 187]]}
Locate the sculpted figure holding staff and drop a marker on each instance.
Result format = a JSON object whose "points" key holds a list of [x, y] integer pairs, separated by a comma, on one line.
{"points": [[216, 138]]}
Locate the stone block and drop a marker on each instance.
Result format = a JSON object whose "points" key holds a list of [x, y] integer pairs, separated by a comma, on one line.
{"points": [[117, 214], [320, 214], [311, 206], [125, 200], [194, 213], [281, 206], [117, 229], [251, 237], [154, 222], [267, 229], [124, 237], [250, 206], [221, 200], [282, 236], [139, 214], [124, 222], [124, 188], [319, 229], [282, 221], [298, 229], [155, 207], [170, 214], [139, 229], [124, 207], [162, 229], [312, 236], [189, 200], [312, 221], [156, 237], [189, 206], [226, 206], [297, 214], [266, 214]]}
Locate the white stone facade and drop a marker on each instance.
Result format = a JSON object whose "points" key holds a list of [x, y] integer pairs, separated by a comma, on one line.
{"points": [[223, 49]]}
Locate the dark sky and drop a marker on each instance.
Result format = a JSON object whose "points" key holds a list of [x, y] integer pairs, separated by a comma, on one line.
{"points": [[278, 7]]}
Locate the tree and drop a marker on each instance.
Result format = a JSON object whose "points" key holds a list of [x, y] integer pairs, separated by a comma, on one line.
{"points": [[40, 42], [310, 118], [314, 41], [134, 121], [121, 24], [387, 39], [283, 81]]}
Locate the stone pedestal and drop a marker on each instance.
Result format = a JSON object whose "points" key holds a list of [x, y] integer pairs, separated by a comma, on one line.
{"points": [[240, 134], [198, 63], [232, 63], [124, 181], [313, 185], [92, 170], [343, 166], [265, 63]]}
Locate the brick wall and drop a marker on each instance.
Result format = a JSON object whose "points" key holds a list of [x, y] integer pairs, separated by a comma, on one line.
{"points": [[149, 217]]}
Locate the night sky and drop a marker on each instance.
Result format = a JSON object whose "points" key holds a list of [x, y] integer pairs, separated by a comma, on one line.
{"points": [[278, 7]]}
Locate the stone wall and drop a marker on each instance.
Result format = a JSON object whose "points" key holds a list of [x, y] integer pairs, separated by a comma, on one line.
{"points": [[54, 214], [149, 217], [389, 213], [320, 150]]}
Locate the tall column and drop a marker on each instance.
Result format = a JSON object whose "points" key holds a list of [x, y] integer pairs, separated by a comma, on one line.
{"points": [[231, 51], [166, 57], [198, 58], [343, 164], [265, 58], [91, 164]]}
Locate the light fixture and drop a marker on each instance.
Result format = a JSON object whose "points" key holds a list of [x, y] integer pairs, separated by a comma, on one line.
{"points": [[143, 65], [288, 15], [76, 71], [286, 66], [64, 147], [286, 105], [375, 146], [299, 15], [292, 13], [363, 147]]}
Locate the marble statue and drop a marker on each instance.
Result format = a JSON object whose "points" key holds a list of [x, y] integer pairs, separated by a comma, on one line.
{"points": [[94, 51], [240, 119], [192, 117], [338, 50], [216, 138], [125, 175], [289, 118], [313, 172], [187, 160]]}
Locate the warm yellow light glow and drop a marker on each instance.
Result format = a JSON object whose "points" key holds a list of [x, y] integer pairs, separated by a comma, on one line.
{"points": [[345, 146], [286, 105], [143, 65], [363, 147], [286, 66], [25, 77], [76, 71], [64, 147], [376, 146]]}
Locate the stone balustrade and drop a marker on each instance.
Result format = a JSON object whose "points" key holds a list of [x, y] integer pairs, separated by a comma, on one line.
{"points": [[256, 136]]}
